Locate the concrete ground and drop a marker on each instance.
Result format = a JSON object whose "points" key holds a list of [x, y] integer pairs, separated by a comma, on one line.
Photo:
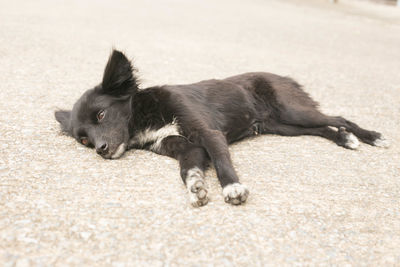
{"points": [[311, 202]]}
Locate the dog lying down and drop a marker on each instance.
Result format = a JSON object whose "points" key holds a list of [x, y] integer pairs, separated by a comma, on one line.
{"points": [[194, 123]]}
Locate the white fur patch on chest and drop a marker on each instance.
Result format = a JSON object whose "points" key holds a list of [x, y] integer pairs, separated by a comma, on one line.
{"points": [[154, 137]]}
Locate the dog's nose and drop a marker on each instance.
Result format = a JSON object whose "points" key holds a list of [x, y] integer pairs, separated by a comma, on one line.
{"points": [[102, 148]]}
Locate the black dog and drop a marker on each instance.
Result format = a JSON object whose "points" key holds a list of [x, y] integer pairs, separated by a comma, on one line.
{"points": [[194, 123]]}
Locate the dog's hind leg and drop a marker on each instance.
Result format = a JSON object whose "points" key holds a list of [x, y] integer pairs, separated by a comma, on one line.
{"points": [[287, 103], [193, 161], [341, 137], [310, 118], [370, 137]]}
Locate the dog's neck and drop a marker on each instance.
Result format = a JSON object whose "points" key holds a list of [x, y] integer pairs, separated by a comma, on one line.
{"points": [[146, 111]]}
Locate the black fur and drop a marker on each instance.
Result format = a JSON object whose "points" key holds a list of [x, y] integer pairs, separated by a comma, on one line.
{"points": [[210, 114]]}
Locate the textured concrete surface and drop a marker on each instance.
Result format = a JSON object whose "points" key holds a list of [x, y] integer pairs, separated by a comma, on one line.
{"points": [[311, 202]]}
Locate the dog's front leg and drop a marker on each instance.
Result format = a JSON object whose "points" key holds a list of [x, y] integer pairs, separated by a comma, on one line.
{"points": [[193, 161], [217, 147]]}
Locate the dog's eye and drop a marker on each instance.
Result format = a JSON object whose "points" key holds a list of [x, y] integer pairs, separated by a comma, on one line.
{"points": [[101, 115], [84, 141]]}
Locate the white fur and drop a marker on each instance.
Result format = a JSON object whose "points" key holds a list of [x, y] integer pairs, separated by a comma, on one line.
{"points": [[351, 141], [382, 142], [195, 182], [235, 193], [195, 173], [155, 136], [120, 150]]}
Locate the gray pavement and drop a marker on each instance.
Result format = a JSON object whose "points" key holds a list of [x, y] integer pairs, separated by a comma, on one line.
{"points": [[311, 202]]}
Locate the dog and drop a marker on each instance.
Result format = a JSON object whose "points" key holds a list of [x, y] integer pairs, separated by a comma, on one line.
{"points": [[194, 123]]}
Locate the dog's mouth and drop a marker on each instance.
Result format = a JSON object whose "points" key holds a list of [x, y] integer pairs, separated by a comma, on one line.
{"points": [[117, 153], [120, 150]]}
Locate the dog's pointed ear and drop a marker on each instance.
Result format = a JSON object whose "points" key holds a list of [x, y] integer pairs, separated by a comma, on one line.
{"points": [[119, 78], [64, 118]]}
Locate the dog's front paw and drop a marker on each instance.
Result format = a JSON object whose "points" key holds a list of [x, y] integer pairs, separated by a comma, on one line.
{"points": [[235, 194], [197, 191]]}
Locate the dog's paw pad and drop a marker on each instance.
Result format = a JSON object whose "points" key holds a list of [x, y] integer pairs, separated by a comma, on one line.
{"points": [[349, 140], [381, 142], [235, 194], [197, 193]]}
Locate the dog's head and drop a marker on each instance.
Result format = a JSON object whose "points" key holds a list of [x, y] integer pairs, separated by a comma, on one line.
{"points": [[100, 118]]}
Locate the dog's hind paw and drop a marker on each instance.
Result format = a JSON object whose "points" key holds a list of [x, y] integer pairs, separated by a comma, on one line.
{"points": [[348, 140], [197, 189], [381, 142], [235, 193]]}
